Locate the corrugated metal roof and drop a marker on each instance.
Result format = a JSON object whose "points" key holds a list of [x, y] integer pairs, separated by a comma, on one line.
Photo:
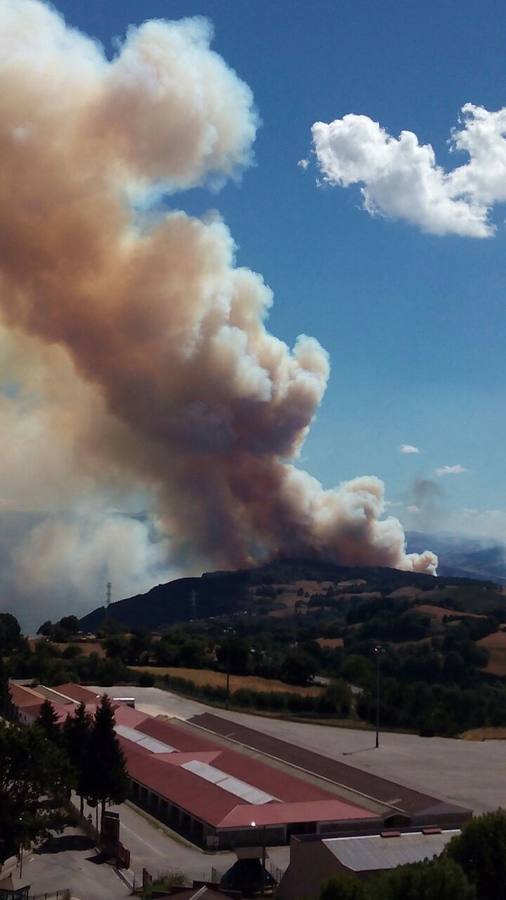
{"points": [[372, 852], [227, 783]]}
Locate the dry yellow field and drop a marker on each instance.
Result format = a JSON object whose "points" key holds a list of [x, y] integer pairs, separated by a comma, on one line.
{"points": [[439, 612], [496, 646], [330, 643], [485, 734], [201, 677]]}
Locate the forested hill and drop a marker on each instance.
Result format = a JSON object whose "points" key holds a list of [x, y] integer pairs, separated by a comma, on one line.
{"points": [[275, 589]]}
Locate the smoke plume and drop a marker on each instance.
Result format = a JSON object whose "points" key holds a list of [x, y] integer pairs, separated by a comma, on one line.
{"points": [[150, 370]]}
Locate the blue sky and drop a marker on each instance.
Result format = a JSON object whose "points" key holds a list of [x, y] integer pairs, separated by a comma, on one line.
{"points": [[413, 322]]}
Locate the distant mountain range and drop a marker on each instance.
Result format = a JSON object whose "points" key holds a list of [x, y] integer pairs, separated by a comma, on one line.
{"points": [[463, 557], [263, 589]]}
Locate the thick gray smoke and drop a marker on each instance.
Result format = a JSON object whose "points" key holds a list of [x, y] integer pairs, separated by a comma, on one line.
{"points": [[138, 360]]}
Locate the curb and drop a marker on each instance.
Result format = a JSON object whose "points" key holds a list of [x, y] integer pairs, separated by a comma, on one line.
{"points": [[127, 876]]}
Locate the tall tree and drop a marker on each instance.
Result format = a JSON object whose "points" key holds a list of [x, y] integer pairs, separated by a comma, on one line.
{"points": [[47, 721], [439, 879], [343, 887], [35, 783], [108, 779], [10, 633], [481, 852], [7, 708], [76, 741]]}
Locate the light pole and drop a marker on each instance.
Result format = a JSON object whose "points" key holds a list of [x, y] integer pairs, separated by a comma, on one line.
{"points": [[20, 819], [378, 650], [228, 632], [262, 882]]}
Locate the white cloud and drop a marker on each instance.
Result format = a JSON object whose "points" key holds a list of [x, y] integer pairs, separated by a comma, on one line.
{"points": [[400, 177], [408, 448], [413, 508], [303, 163], [450, 470]]}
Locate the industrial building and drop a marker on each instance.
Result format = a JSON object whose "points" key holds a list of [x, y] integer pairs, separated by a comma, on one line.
{"points": [[223, 785], [313, 860]]}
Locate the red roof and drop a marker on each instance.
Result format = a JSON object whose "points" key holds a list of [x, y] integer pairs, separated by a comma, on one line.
{"points": [[263, 776], [296, 800], [274, 781], [210, 803], [201, 799], [23, 696], [283, 813], [61, 710], [178, 736], [77, 692], [125, 715]]}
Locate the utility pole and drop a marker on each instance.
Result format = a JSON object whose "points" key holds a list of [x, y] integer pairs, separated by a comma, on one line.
{"points": [[263, 861], [378, 650], [228, 632]]}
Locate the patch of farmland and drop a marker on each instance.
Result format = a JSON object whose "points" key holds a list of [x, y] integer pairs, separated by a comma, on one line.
{"points": [[496, 645], [290, 594], [201, 677], [409, 591], [484, 734], [330, 643], [439, 612]]}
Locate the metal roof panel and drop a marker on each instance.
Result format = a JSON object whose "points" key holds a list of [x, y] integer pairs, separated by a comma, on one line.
{"points": [[367, 853], [227, 782]]}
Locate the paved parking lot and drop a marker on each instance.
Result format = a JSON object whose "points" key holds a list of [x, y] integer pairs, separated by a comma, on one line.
{"points": [[69, 861]]}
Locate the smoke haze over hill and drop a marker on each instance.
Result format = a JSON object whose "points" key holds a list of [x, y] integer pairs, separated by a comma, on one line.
{"points": [[137, 368]]}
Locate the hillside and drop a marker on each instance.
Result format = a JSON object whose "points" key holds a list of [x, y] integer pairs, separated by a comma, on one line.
{"points": [[276, 589]]}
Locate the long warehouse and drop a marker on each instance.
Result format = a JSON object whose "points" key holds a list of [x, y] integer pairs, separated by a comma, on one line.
{"points": [[221, 793]]}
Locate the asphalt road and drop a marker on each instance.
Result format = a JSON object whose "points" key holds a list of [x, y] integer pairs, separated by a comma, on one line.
{"points": [[68, 862], [470, 773]]}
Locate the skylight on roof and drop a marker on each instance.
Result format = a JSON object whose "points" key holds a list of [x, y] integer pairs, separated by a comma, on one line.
{"points": [[228, 783], [143, 740]]}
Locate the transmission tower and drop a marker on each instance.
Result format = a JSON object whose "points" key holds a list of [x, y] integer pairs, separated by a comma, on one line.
{"points": [[108, 594]]}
